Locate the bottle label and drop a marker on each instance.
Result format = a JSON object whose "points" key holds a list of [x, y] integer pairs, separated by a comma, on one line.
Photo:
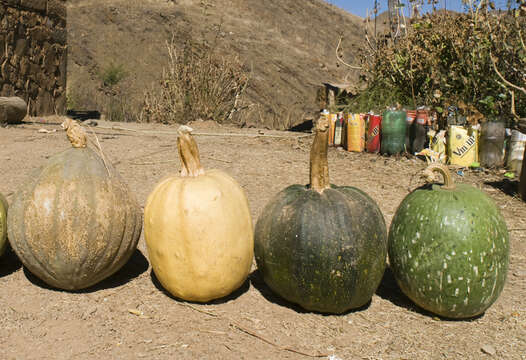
{"points": [[338, 135], [464, 148]]}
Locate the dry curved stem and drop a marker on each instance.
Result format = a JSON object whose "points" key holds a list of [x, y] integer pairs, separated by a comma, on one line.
{"points": [[341, 60], [244, 330], [189, 153], [99, 148], [289, 349], [429, 175], [78, 138], [319, 165]]}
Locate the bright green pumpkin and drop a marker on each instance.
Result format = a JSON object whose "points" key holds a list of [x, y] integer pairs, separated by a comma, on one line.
{"points": [[3, 224], [449, 248], [322, 246]]}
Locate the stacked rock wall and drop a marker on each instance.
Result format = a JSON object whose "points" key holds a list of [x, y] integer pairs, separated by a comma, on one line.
{"points": [[33, 53]]}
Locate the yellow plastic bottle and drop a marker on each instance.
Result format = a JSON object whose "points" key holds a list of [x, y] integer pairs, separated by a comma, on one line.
{"points": [[355, 133], [462, 145]]}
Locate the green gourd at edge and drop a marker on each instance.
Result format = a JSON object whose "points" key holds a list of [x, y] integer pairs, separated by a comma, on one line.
{"points": [[3, 224], [449, 248]]}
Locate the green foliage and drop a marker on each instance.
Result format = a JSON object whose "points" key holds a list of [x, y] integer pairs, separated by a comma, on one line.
{"points": [[71, 102], [113, 74], [446, 58], [378, 96]]}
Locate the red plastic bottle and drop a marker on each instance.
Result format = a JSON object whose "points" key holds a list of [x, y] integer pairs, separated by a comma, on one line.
{"points": [[373, 133]]}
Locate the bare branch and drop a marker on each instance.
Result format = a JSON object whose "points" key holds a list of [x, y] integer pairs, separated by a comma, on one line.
{"points": [[502, 77], [341, 60]]}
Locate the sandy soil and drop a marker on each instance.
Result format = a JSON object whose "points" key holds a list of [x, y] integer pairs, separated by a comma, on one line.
{"points": [[128, 316]]}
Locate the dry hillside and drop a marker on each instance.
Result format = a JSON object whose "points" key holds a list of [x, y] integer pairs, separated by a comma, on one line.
{"points": [[289, 46]]}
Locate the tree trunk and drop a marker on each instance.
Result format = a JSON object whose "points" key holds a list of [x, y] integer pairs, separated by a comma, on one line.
{"points": [[12, 110]]}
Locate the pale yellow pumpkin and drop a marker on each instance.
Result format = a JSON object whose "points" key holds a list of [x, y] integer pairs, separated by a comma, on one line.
{"points": [[198, 230]]}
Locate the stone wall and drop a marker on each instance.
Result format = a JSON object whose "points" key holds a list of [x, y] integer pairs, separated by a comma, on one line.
{"points": [[33, 53]]}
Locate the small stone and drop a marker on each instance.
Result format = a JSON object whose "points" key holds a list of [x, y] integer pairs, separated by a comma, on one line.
{"points": [[135, 312], [519, 273], [488, 349]]}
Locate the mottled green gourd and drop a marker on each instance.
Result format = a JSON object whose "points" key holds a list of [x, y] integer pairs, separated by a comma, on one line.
{"points": [[75, 221], [449, 248], [3, 224], [322, 246]]}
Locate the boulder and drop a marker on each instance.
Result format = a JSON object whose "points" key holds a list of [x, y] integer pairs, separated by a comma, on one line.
{"points": [[12, 110]]}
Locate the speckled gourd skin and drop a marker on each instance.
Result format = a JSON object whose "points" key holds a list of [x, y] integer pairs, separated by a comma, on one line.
{"points": [[3, 224], [449, 250], [73, 224], [324, 251]]}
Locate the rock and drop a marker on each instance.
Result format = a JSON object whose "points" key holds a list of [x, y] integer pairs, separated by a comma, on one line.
{"points": [[12, 110], [488, 349]]}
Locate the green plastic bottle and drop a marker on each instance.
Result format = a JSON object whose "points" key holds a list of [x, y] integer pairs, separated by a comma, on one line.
{"points": [[393, 132]]}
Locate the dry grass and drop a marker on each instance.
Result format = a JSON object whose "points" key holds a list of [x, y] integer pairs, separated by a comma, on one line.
{"points": [[198, 83]]}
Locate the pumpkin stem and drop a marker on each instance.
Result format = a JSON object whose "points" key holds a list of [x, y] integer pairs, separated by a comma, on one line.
{"points": [[319, 166], [76, 135], [428, 173], [189, 153]]}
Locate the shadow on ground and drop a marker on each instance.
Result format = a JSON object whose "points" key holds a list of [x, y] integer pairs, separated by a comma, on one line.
{"points": [[507, 186], [135, 266], [257, 280], [233, 296], [9, 262]]}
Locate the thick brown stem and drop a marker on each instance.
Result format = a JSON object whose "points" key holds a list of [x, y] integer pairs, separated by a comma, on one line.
{"points": [[444, 171], [76, 135], [319, 166], [189, 153]]}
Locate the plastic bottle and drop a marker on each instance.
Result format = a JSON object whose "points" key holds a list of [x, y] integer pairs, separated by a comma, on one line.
{"points": [[338, 130], [492, 135], [420, 127], [355, 133], [373, 133], [393, 131], [516, 152], [462, 145], [409, 136]]}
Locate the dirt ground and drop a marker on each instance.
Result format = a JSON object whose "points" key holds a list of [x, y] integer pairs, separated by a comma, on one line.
{"points": [[128, 316]]}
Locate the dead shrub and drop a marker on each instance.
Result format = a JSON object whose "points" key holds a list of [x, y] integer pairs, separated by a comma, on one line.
{"points": [[198, 83]]}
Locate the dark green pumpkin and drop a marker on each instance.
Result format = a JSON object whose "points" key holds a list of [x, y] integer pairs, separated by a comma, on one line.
{"points": [[449, 249], [325, 251], [3, 224], [75, 222]]}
